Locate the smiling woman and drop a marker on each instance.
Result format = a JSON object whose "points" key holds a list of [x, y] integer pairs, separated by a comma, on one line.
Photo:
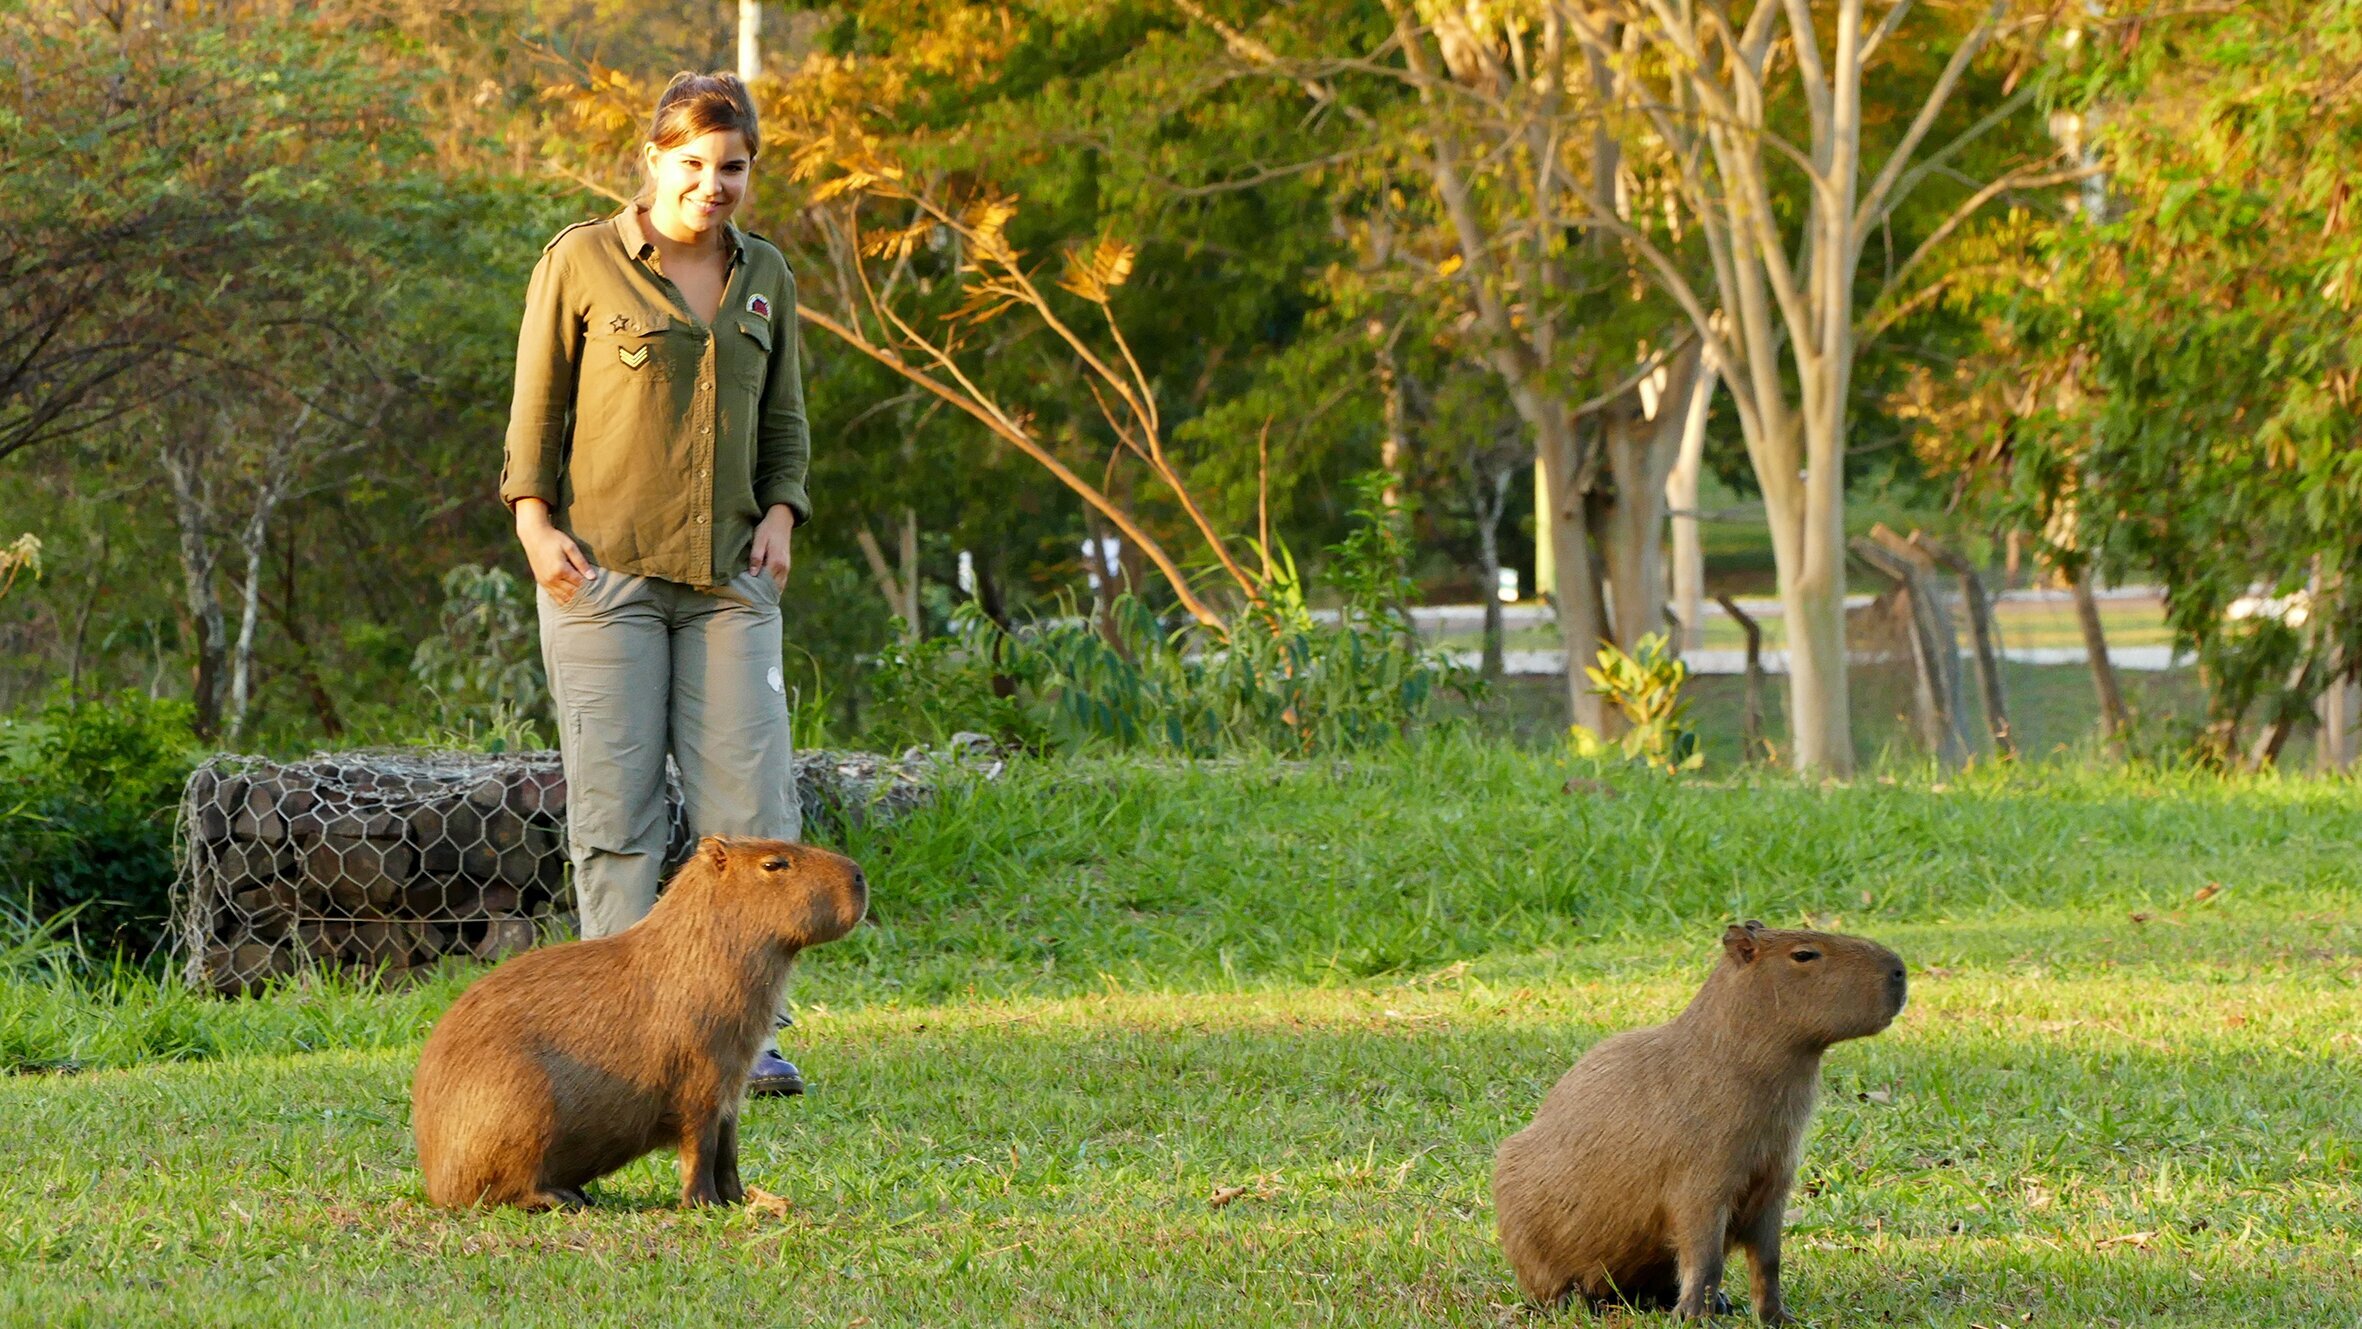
{"points": [[656, 456]]}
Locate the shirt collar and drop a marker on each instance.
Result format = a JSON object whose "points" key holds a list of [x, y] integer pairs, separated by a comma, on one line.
{"points": [[637, 244]]}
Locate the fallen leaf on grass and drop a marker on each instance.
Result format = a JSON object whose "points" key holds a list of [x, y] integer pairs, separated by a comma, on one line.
{"points": [[2139, 1239], [2208, 892], [1577, 784], [1876, 1096], [2140, 918], [1226, 1195], [764, 1202]]}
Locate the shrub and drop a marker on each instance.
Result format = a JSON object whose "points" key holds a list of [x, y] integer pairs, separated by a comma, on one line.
{"points": [[1645, 688], [1284, 679], [87, 796]]}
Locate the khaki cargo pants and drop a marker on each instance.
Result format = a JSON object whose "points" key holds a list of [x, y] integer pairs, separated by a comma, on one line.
{"points": [[639, 667]]}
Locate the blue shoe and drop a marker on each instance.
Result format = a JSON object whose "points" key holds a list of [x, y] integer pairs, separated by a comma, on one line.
{"points": [[773, 1075]]}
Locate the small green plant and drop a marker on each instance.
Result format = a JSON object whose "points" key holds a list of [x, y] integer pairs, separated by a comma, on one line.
{"points": [[1645, 688], [87, 793], [484, 669]]}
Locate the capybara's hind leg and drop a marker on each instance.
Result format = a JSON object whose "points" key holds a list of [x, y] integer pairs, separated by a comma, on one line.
{"points": [[726, 1182]]}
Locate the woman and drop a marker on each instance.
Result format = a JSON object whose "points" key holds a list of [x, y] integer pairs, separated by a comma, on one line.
{"points": [[655, 466]]}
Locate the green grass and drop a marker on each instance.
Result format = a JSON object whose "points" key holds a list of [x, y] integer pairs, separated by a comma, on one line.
{"points": [[1100, 991]]}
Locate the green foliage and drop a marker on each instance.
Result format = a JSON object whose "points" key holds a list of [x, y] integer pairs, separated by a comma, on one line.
{"points": [[2174, 381], [1287, 679], [1645, 688], [484, 669], [924, 692], [87, 796]]}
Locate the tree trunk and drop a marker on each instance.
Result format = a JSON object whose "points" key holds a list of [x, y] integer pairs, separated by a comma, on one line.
{"points": [[307, 665], [1986, 636], [1808, 549], [2333, 743], [1642, 443], [1491, 501], [750, 39], [1751, 731], [192, 515], [1395, 449], [901, 592], [1582, 622], [101, 570], [1681, 502], [252, 543], [2115, 719]]}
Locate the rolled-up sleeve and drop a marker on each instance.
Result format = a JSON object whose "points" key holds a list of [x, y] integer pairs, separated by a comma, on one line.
{"points": [[783, 440], [549, 348]]}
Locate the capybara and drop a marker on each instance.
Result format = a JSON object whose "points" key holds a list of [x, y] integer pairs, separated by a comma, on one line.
{"points": [[566, 1063], [1664, 1148]]}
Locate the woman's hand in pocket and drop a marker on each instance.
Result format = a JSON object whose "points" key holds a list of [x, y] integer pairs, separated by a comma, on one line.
{"points": [[558, 563], [774, 545]]}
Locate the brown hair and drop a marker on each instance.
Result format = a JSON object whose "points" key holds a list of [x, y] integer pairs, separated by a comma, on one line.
{"points": [[697, 104]]}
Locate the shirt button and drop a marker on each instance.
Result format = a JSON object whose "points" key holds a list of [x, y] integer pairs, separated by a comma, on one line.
{"points": [[701, 519]]}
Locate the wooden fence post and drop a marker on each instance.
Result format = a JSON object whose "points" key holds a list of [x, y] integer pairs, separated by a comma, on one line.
{"points": [[1984, 634], [1751, 742], [1933, 647]]}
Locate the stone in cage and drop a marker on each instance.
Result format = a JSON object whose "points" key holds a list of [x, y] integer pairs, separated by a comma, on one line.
{"points": [[387, 861]]}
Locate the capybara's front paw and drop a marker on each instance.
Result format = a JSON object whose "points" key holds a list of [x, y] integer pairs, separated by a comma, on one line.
{"points": [[557, 1197]]}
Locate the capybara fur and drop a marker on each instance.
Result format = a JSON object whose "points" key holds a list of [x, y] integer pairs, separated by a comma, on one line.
{"points": [[566, 1063], [1664, 1148]]}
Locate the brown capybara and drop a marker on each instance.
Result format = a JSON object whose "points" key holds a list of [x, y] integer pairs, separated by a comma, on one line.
{"points": [[1664, 1148], [566, 1063]]}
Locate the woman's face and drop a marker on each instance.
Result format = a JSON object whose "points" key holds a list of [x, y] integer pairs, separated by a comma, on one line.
{"points": [[699, 183]]}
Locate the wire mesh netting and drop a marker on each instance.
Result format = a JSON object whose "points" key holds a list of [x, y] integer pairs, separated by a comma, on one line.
{"points": [[389, 861]]}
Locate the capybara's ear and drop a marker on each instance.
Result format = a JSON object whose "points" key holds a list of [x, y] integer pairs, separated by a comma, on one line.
{"points": [[1738, 942], [716, 851]]}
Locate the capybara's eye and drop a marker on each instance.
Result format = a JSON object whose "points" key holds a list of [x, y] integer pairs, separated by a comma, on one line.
{"points": [[1804, 956], [777, 865]]}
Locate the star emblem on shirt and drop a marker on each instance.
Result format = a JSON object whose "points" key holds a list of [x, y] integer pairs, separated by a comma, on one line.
{"points": [[618, 323]]}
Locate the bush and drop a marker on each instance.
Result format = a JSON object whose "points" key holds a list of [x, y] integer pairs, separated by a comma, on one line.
{"points": [[1284, 679], [87, 795]]}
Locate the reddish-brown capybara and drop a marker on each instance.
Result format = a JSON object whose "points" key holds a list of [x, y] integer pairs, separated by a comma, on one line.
{"points": [[566, 1063], [1664, 1148]]}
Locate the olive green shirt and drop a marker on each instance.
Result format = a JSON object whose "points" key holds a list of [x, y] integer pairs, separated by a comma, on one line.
{"points": [[657, 441]]}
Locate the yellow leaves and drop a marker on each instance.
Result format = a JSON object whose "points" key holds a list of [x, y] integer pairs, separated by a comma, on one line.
{"points": [[21, 557], [984, 222], [987, 300], [896, 243], [1450, 265], [1094, 272], [606, 107]]}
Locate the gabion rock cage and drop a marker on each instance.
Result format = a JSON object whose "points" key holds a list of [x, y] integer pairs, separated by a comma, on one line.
{"points": [[387, 861], [374, 860]]}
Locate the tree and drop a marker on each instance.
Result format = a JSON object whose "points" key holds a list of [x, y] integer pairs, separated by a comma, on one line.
{"points": [[1705, 104], [2172, 386]]}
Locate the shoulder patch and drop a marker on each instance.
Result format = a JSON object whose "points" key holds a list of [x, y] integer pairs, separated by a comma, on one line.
{"points": [[769, 244], [553, 240]]}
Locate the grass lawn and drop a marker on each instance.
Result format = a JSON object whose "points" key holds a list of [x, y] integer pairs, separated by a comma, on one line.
{"points": [[1100, 994]]}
